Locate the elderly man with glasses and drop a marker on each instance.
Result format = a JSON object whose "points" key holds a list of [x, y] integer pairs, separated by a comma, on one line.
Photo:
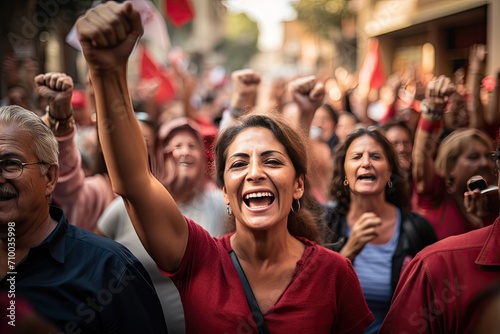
{"points": [[81, 282]]}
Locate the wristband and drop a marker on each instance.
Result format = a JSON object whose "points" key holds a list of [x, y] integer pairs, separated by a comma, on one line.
{"points": [[429, 125], [59, 123], [429, 114]]}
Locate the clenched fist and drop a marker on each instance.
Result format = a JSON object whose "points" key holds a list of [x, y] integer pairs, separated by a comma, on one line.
{"points": [[108, 34]]}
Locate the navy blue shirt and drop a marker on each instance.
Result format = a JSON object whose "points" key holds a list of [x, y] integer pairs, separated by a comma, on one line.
{"points": [[85, 283]]}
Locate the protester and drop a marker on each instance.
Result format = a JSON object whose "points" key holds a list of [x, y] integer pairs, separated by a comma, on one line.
{"points": [[347, 123], [193, 193], [442, 280], [323, 125], [371, 224], [261, 165], [401, 137], [441, 182], [73, 278], [307, 95], [183, 174]]}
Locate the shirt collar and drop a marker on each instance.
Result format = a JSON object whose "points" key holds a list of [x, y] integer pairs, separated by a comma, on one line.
{"points": [[490, 253], [55, 242]]}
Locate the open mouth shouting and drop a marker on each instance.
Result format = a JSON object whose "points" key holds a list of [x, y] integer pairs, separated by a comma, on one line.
{"points": [[258, 200], [367, 177]]}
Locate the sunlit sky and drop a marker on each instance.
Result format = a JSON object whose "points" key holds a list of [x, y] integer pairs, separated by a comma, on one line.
{"points": [[268, 14]]}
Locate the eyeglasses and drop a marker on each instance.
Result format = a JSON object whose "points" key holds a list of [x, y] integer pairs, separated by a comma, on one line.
{"points": [[496, 159], [13, 168]]}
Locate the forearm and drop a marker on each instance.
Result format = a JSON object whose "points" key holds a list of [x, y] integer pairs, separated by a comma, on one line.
{"points": [[239, 107], [423, 154], [186, 98], [243, 101], [121, 139], [362, 113], [473, 102], [305, 121], [125, 152], [347, 253], [69, 156], [492, 113]]}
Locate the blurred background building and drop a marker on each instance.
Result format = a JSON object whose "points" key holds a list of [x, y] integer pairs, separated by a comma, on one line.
{"points": [[436, 33]]}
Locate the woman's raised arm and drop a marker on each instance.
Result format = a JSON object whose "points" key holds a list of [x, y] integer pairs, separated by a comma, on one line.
{"points": [[108, 34], [437, 93]]}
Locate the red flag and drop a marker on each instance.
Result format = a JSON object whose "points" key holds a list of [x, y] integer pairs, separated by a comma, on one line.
{"points": [[149, 70], [372, 69], [179, 11]]}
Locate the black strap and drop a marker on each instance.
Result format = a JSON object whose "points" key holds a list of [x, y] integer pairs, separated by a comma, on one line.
{"points": [[252, 302]]}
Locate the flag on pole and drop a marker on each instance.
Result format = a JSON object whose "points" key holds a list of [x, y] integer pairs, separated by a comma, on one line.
{"points": [[372, 71]]}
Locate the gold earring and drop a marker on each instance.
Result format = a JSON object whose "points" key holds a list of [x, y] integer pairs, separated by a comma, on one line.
{"points": [[389, 184], [346, 183]]}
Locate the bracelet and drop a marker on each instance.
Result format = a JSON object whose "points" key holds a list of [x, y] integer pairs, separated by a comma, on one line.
{"points": [[428, 125], [56, 123], [236, 112], [429, 114]]}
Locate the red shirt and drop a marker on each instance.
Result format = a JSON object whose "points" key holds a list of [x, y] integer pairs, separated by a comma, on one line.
{"points": [[436, 287], [324, 295], [441, 210]]}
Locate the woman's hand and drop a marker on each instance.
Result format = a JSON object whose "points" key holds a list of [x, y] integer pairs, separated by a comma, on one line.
{"points": [[477, 204], [308, 94], [437, 94], [245, 85], [365, 229], [108, 34]]}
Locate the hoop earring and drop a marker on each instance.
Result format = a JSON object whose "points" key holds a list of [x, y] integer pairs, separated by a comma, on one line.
{"points": [[389, 184], [298, 207], [229, 210], [346, 183]]}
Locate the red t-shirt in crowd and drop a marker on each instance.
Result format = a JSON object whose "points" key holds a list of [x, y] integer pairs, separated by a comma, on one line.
{"points": [[439, 283], [324, 295], [441, 210]]}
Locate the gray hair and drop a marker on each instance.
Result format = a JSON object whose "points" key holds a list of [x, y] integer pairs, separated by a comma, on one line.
{"points": [[44, 144]]}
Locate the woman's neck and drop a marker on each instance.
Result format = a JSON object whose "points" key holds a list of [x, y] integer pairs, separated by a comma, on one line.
{"points": [[265, 247], [362, 203]]}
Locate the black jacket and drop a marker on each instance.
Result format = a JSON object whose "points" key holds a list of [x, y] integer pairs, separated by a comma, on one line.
{"points": [[416, 233]]}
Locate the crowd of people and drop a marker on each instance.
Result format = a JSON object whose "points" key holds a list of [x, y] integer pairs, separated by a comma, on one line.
{"points": [[121, 215]]}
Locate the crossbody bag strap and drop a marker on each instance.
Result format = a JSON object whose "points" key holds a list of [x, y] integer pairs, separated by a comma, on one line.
{"points": [[252, 302]]}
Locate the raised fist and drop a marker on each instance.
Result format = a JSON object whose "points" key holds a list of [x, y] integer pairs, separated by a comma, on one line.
{"points": [[108, 34]]}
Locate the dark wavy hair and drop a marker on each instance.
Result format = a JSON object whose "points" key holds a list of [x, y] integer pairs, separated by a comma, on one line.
{"points": [[307, 221], [399, 193]]}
